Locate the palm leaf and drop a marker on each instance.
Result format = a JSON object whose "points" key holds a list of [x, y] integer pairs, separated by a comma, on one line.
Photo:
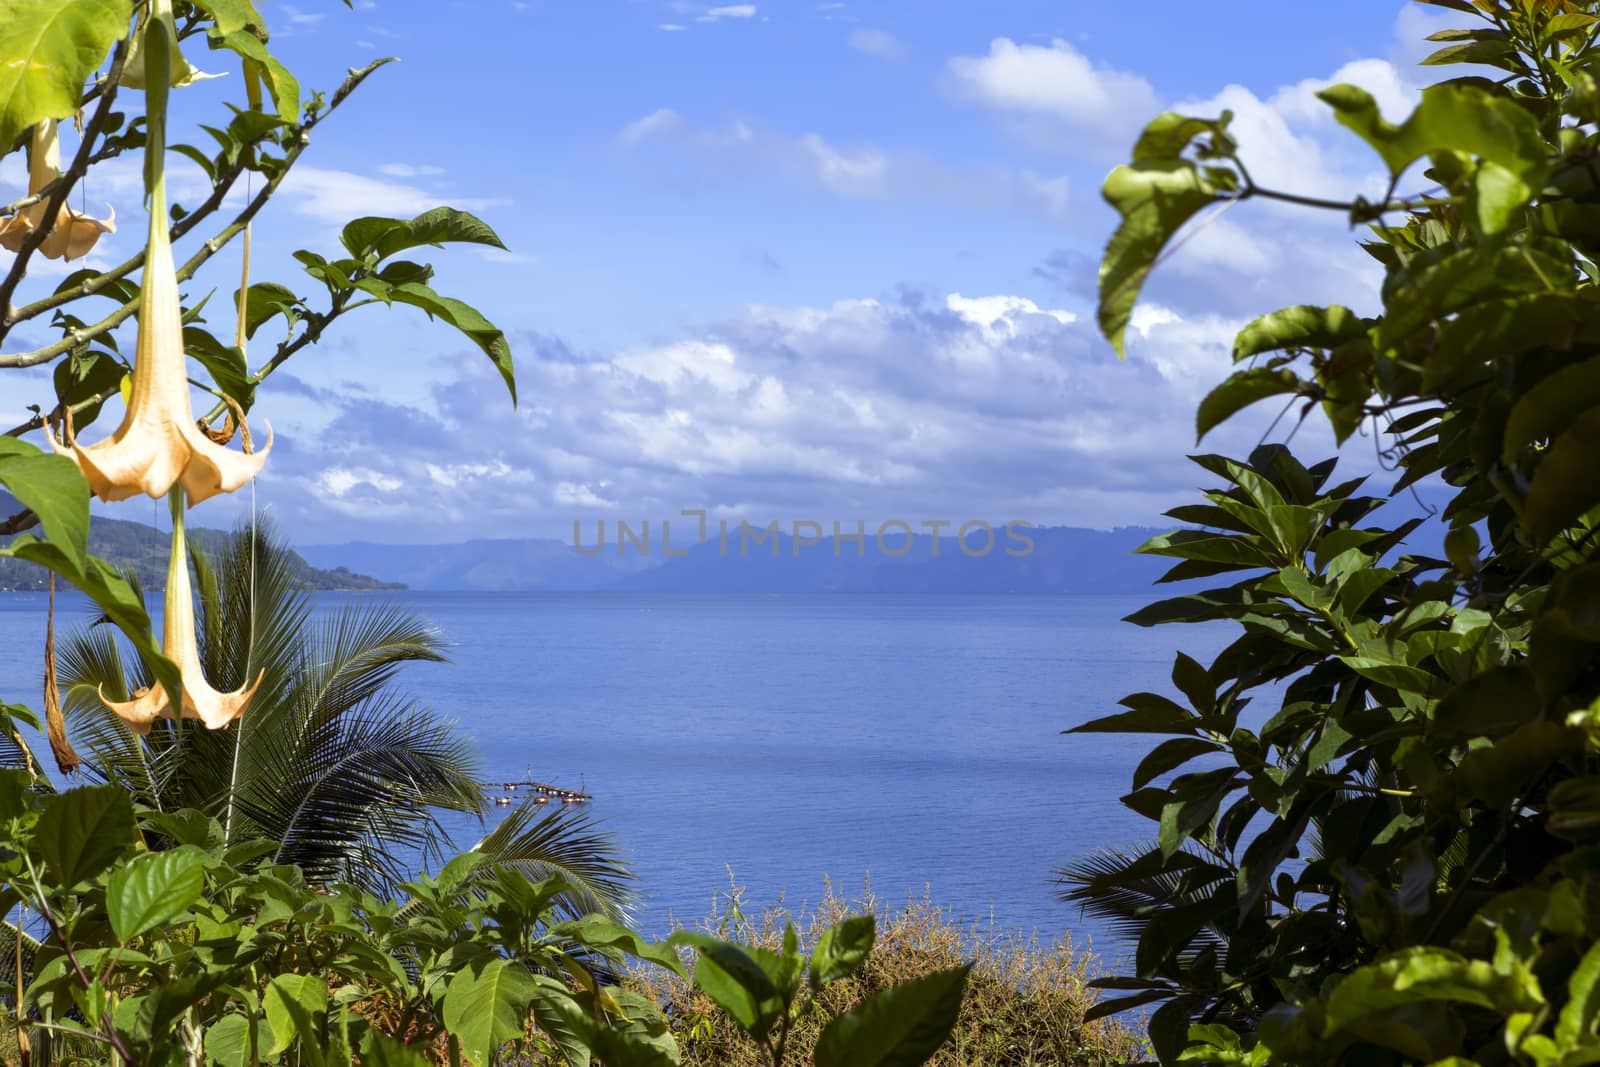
{"points": [[540, 843], [1114, 886], [331, 761]]}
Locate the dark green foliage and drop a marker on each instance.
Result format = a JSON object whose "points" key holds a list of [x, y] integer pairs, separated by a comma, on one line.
{"points": [[1397, 859]]}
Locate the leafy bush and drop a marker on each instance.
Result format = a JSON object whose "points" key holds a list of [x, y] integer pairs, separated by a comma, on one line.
{"points": [[1025, 1001], [1397, 863], [204, 953]]}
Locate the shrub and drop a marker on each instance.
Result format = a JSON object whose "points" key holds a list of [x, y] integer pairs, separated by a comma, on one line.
{"points": [[1025, 1001], [1375, 817]]}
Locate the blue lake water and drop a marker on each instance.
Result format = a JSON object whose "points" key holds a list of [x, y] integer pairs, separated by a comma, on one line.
{"points": [[914, 739]]}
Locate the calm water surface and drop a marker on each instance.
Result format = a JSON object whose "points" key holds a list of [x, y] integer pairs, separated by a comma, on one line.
{"points": [[913, 739]]}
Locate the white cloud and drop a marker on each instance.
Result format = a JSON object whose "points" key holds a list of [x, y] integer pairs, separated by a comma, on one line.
{"points": [[729, 11], [339, 481], [301, 18], [998, 314], [661, 124], [989, 405], [1396, 96], [877, 43], [338, 195], [410, 170], [850, 173], [1055, 96], [672, 27]]}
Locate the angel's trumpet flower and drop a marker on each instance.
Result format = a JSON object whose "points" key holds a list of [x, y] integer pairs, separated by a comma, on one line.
{"points": [[178, 644], [158, 444], [135, 69], [72, 234]]}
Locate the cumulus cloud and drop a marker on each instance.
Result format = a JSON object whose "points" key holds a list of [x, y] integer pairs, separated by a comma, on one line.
{"points": [[962, 406], [340, 195], [1261, 254], [1054, 95]]}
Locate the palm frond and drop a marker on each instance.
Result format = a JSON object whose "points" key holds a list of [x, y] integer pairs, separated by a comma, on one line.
{"points": [[346, 773], [540, 843], [367, 783], [1127, 890]]}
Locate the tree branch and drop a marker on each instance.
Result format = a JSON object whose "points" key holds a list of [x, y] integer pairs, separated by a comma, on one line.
{"points": [[74, 174], [192, 265]]}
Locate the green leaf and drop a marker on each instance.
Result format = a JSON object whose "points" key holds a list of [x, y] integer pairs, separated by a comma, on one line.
{"points": [[154, 889], [842, 949], [1574, 808], [1491, 705], [1550, 407], [738, 983], [453, 878], [1457, 118], [1397, 676], [1302, 326], [1154, 200], [563, 1020], [1169, 135], [266, 300], [1237, 392], [281, 84], [1169, 755], [53, 489], [294, 1005], [1194, 682], [50, 48], [82, 378], [230, 1042], [465, 318], [1578, 1016], [1364, 1003], [1150, 713], [83, 831], [1564, 486], [600, 933], [230, 16], [386, 237], [110, 592], [484, 1010], [1199, 795], [225, 364], [380, 1050], [902, 1026], [1236, 552]]}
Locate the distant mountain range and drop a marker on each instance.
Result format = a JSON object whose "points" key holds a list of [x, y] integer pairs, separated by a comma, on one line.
{"points": [[137, 546], [1062, 560]]}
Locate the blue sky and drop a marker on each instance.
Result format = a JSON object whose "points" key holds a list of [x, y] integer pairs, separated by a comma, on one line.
{"points": [[782, 260]]}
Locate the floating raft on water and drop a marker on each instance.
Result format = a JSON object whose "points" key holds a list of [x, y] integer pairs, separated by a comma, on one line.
{"points": [[535, 792]]}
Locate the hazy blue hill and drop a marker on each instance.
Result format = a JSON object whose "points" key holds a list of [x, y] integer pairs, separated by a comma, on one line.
{"points": [[1063, 560], [132, 544], [488, 565]]}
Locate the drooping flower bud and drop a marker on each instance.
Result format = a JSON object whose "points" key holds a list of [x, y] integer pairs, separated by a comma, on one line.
{"points": [[178, 643]]}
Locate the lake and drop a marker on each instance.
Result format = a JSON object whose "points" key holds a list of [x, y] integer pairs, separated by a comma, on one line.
{"points": [[912, 739]]}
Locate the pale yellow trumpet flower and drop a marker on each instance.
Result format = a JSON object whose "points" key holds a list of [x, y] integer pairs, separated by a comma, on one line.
{"points": [[179, 72], [178, 644], [158, 445], [73, 234]]}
